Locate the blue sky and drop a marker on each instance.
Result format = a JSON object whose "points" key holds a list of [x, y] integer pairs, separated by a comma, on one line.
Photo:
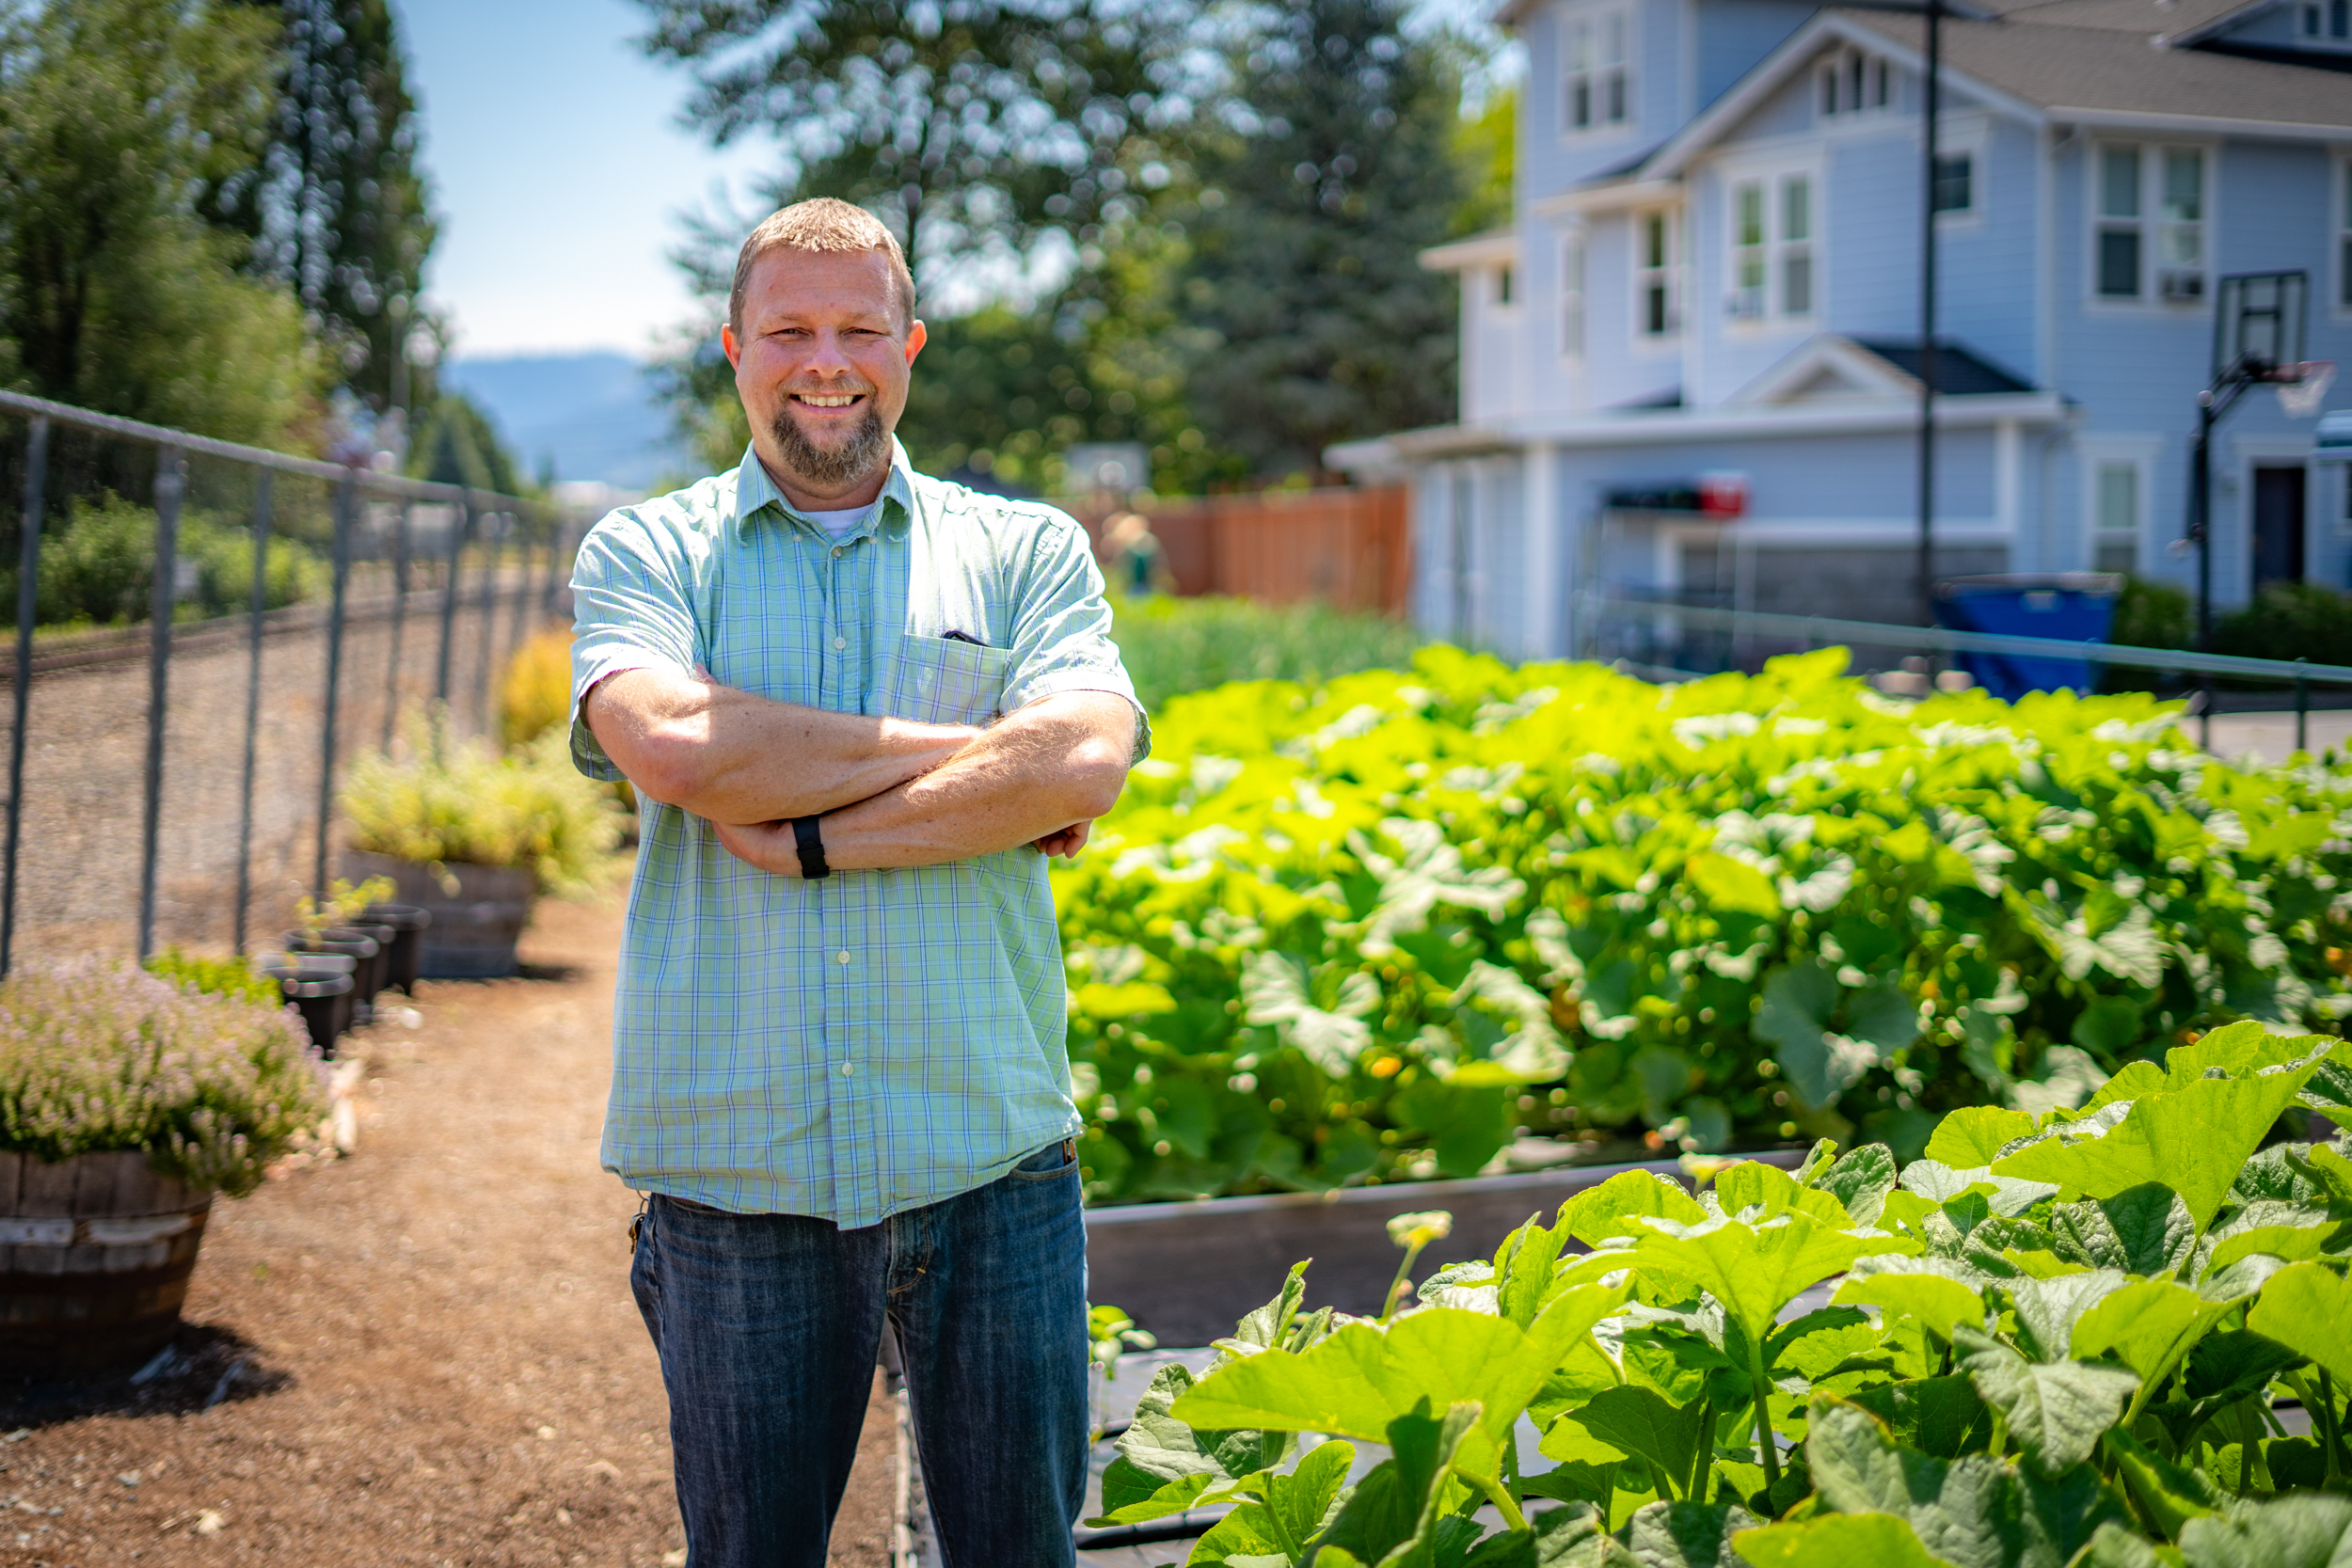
{"points": [[559, 170]]}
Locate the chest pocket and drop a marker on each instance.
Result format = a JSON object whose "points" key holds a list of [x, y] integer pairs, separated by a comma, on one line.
{"points": [[942, 681]]}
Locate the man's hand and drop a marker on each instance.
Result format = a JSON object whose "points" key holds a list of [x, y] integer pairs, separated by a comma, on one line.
{"points": [[730, 757], [1039, 777]]}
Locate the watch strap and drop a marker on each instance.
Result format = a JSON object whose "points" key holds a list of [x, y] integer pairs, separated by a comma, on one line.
{"points": [[812, 846]]}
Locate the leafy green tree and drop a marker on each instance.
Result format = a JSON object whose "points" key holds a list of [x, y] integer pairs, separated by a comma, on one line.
{"points": [[115, 292], [976, 126], [1304, 278], [457, 444], [332, 199]]}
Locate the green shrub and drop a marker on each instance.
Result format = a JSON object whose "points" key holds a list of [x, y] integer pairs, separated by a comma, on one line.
{"points": [[460, 800], [2290, 620], [1173, 646], [99, 567], [233, 976], [1364, 931], [2055, 1340], [97, 1056]]}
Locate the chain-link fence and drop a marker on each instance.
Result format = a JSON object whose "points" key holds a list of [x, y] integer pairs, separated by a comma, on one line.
{"points": [[205, 634]]}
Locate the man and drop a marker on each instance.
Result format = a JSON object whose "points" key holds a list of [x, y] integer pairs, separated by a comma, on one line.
{"points": [[856, 704]]}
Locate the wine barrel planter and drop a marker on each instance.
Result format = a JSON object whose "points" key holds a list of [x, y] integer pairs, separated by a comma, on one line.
{"points": [[1189, 1271], [477, 912], [95, 1254]]}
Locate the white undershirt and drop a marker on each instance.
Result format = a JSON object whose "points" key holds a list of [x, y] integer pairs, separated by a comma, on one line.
{"points": [[839, 524]]}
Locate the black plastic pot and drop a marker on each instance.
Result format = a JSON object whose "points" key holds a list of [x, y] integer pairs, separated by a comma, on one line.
{"points": [[323, 996], [376, 975], [364, 952], [405, 958]]}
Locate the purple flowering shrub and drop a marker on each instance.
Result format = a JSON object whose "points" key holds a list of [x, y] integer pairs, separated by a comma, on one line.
{"points": [[96, 1055]]}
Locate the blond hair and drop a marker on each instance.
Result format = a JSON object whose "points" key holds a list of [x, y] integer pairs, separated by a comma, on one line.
{"points": [[822, 224]]}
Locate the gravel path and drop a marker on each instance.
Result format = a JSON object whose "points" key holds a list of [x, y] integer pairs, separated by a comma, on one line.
{"points": [[425, 1353]]}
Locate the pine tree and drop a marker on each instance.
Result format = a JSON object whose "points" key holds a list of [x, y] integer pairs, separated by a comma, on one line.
{"points": [[336, 205], [1305, 284]]}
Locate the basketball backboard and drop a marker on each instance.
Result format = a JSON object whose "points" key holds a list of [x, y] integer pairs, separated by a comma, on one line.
{"points": [[2258, 326]]}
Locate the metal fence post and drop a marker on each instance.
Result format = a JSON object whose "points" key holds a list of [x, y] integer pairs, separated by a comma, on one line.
{"points": [[460, 528], [27, 598], [170, 481], [2302, 702], [487, 608], [344, 499], [259, 605], [399, 621]]}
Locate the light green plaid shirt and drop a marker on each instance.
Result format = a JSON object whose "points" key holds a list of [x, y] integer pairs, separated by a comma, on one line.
{"points": [[876, 1041]]}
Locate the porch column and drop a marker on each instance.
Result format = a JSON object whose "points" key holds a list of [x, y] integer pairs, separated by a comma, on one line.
{"points": [[1540, 636], [2008, 467]]}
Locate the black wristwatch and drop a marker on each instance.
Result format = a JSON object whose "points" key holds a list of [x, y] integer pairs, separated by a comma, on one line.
{"points": [[813, 866]]}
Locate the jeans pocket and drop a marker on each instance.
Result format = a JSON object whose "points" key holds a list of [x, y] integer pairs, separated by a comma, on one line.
{"points": [[1054, 1160], [942, 681]]}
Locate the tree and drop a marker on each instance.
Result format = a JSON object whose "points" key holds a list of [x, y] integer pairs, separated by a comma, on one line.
{"points": [[457, 444], [333, 201], [975, 126], [1340, 166], [115, 292]]}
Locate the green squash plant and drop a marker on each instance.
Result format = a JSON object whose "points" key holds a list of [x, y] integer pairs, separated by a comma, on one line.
{"points": [[2061, 1338], [1373, 930]]}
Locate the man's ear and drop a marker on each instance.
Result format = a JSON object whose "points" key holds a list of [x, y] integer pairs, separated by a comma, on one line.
{"points": [[916, 338], [734, 348]]}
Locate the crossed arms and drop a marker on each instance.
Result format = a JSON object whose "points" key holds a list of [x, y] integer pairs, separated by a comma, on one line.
{"points": [[893, 793]]}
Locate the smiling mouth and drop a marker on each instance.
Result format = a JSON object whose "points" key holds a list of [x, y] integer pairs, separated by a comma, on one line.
{"points": [[828, 400]]}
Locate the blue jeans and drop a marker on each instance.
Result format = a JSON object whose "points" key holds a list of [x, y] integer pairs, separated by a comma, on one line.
{"points": [[768, 1325]]}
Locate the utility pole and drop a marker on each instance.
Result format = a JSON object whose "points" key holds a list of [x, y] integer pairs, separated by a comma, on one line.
{"points": [[1929, 108]]}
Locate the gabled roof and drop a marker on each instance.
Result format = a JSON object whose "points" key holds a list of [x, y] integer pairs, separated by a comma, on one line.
{"points": [[1833, 369], [2108, 72], [2095, 61], [1495, 245]]}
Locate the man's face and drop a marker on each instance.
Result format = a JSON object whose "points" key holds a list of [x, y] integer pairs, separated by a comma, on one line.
{"points": [[822, 364]]}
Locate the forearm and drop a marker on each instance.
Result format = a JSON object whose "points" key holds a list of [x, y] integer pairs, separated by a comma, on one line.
{"points": [[1057, 762], [731, 758]]}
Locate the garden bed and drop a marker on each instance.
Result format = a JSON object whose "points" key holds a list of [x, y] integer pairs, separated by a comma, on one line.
{"points": [[1187, 1272]]}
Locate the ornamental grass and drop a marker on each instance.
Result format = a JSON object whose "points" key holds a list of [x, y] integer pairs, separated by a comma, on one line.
{"points": [[98, 1056], [444, 800]]}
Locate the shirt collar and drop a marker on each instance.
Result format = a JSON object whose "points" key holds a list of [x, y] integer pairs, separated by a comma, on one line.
{"points": [[754, 492]]}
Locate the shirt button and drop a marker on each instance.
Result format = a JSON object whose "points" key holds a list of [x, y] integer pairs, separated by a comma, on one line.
{"points": [[837, 552], [839, 644], [842, 957], [849, 1069]]}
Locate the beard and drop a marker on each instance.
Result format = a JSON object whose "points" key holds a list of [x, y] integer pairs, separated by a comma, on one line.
{"points": [[831, 467]]}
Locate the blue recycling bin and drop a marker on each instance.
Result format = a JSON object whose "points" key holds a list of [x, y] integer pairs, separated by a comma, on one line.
{"points": [[2073, 606]]}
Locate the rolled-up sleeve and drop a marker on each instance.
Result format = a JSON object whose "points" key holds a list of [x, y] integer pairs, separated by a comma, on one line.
{"points": [[1062, 636], [631, 609]]}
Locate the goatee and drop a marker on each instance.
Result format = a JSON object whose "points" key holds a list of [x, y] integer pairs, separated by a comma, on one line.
{"points": [[829, 467]]}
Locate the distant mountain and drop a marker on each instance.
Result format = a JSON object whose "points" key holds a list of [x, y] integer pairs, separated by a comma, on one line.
{"points": [[594, 414]]}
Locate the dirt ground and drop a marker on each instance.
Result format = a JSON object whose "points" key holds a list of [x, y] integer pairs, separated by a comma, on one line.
{"points": [[425, 1354]]}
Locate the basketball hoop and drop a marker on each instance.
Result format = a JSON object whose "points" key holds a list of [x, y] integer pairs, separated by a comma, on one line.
{"points": [[2302, 396]]}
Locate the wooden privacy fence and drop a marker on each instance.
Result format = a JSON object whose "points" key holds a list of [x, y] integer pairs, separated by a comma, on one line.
{"points": [[1346, 546]]}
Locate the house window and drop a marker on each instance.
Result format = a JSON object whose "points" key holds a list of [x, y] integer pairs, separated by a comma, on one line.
{"points": [[1772, 234], [2340, 18], [1796, 245], [1598, 90], [2115, 534], [1505, 286], [1955, 183], [2135, 185], [2343, 237], [1654, 277], [1748, 261], [2311, 21], [1851, 81], [2181, 232], [1572, 298]]}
